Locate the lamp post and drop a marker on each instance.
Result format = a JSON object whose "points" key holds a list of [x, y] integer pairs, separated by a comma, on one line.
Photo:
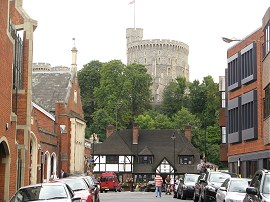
{"points": [[205, 130], [173, 137], [228, 40], [116, 113]]}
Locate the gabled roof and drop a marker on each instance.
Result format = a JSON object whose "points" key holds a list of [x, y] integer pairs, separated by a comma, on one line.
{"points": [[113, 145], [151, 142], [50, 88], [145, 152]]}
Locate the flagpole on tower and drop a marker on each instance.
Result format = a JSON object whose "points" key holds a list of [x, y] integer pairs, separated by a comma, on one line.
{"points": [[134, 15], [133, 2]]}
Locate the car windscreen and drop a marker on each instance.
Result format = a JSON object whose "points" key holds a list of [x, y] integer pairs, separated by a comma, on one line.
{"points": [[76, 184], [266, 184], [238, 186], [191, 178], [41, 193], [218, 177]]}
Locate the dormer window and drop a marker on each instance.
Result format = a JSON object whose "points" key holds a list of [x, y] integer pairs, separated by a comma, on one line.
{"points": [[145, 159], [186, 160]]}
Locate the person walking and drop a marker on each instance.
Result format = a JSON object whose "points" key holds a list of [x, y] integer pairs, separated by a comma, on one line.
{"points": [[158, 184], [168, 184], [53, 176], [63, 174]]}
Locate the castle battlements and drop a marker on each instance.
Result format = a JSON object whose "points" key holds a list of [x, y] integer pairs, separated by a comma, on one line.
{"points": [[164, 59]]}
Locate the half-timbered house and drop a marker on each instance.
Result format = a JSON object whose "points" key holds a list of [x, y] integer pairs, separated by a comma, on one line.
{"points": [[140, 154]]}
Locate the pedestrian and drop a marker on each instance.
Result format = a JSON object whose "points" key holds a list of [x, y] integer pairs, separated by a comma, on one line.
{"points": [[168, 184], [53, 176], [63, 174], [158, 184]]}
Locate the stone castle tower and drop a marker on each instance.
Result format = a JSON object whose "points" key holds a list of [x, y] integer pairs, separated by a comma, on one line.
{"points": [[164, 59]]}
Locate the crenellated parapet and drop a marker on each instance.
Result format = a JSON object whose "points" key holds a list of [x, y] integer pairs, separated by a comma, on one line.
{"points": [[164, 59]]}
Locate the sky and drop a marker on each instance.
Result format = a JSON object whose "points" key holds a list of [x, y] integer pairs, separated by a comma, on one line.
{"points": [[99, 28]]}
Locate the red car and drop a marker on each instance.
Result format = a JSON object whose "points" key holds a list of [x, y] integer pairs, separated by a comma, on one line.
{"points": [[79, 187], [93, 186], [109, 181]]}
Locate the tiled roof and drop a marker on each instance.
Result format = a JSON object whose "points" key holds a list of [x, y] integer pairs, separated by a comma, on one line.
{"points": [[156, 142], [50, 88]]}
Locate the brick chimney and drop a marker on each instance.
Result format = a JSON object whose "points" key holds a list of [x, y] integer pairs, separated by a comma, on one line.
{"points": [[188, 133], [109, 130], [135, 133]]}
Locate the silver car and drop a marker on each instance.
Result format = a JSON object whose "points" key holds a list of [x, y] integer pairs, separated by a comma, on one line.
{"points": [[45, 192], [232, 190]]}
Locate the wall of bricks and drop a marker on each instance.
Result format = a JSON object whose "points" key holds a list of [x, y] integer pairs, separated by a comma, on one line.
{"points": [[254, 145]]}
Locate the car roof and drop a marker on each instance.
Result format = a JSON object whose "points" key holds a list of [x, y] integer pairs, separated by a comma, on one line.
{"points": [[43, 184], [239, 179]]}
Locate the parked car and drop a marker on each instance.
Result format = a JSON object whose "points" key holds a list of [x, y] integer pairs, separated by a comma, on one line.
{"points": [[80, 187], [150, 186], [92, 186], [209, 184], [259, 190], [109, 181], [232, 190], [45, 191], [186, 186], [96, 182]]}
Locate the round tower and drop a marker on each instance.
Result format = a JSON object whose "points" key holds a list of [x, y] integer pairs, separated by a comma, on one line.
{"points": [[164, 59]]}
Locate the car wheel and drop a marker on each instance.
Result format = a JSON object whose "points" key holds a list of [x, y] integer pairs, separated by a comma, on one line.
{"points": [[101, 191]]}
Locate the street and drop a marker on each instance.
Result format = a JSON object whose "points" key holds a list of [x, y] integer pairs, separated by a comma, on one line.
{"points": [[136, 197]]}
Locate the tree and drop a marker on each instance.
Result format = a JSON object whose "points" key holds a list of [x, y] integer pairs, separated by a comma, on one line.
{"points": [[89, 79], [145, 121], [100, 122], [137, 88], [161, 121], [171, 99]]}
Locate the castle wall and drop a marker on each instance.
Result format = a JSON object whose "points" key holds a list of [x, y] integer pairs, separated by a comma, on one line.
{"points": [[164, 59]]}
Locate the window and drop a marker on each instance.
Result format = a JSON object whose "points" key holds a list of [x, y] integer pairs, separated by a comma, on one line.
{"points": [[75, 96], [233, 72], [223, 99], [267, 39], [267, 102], [233, 120], [247, 115], [187, 160], [248, 64], [145, 160], [223, 135], [112, 159]]}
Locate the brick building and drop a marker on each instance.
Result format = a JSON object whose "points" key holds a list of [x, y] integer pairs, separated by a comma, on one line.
{"points": [[247, 78], [16, 45], [42, 125], [61, 127]]}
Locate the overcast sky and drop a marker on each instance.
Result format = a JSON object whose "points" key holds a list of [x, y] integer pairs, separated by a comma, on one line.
{"points": [[99, 28]]}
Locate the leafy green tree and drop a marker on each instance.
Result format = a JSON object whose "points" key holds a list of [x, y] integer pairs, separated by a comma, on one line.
{"points": [[184, 118], [197, 98], [212, 100], [161, 121], [183, 91], [171, 99], [136, 88], [101, 121], [145, 121], [89, 79]]}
